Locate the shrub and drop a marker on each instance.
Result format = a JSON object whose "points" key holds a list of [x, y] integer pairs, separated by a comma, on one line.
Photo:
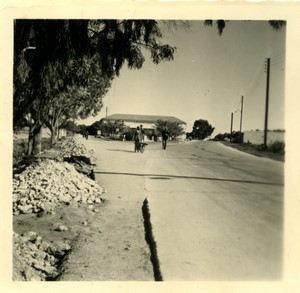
{"points": [[237, 137], [277, 147], [219, 137], [260, 147]]}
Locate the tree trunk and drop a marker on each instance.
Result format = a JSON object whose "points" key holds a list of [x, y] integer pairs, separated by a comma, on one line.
{"points": [[30, 143], [35, 140], [54, 134]]}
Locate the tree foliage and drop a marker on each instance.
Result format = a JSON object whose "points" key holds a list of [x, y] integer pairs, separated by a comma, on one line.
{"points": [[108, 128], [72, 127], [221, 24], [202, 129], [174, 128], [56, 43], [78, 93], [63, 68]]}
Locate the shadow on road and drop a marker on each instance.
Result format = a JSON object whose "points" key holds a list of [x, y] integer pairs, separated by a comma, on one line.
{"points": [[162, 176], [119, 150]]}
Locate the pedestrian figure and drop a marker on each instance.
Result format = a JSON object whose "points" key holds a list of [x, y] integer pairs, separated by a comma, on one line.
{"points": [[165, 137], [87, 135], [136, 138], [142, 133]]}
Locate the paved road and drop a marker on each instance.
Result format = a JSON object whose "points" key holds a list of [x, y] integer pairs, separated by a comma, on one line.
{"points": [[216, 213]]}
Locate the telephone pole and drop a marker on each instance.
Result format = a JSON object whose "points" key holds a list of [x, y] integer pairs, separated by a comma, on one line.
{"points": [[241, 119], [268, 61], [231, 126]]}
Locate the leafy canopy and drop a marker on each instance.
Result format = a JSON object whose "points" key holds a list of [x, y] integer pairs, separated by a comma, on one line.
{"points": [[56, 61], [174, 128], [202, 129]]}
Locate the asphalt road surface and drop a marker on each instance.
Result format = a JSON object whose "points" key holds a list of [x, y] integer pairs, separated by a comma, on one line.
{"points": [[216, 213]]}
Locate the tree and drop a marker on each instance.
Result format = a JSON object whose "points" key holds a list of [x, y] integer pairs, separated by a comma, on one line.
{"points": [[56, 43], [221, 23], [82, 128], [72, 127], [174, 128], [202, 129], [77, 94], [113, 127]]}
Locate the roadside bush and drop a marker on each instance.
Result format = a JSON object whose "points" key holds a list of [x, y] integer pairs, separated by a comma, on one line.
{"points": [[219, 137], [277, 147], [237, 137], [259, 147]]}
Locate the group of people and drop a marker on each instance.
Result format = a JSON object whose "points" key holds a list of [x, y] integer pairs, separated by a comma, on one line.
{"points": [[139, 135]]}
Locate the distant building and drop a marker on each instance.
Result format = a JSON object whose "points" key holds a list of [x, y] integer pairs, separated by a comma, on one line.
{"points": [[257, 137], [148, 121]]}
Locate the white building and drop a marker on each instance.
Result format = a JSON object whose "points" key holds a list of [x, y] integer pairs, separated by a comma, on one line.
{"points": [[148, 121], [257, 137]]}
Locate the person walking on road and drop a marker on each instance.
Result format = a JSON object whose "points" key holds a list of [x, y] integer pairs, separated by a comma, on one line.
{"points": [[142, 134], [136, 138], [165, 137]]}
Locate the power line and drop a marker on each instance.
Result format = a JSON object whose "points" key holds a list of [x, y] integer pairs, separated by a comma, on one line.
{"points": [[279, 51], [278, 56], [277, 62]]}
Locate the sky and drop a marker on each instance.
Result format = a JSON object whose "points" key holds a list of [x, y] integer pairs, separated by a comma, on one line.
{"points": [[207, 78]]}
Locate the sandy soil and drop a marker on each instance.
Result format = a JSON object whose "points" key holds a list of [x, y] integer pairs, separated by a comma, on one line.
{"points": [[106, 245], [108, 241]]}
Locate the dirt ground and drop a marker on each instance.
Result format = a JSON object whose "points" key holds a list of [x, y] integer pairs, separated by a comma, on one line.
{"points": [[108, 241], [255, 152], [106, 245]]}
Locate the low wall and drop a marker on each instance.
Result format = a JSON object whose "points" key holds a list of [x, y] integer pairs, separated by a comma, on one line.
{"points": [[257, 137]]}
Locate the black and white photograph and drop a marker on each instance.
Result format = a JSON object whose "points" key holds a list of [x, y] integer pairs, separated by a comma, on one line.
{"points": [[148, 148]]}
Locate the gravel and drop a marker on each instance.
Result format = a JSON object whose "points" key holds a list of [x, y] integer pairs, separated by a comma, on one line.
{"points": [[47, 182], [35, 259], [72, 147]]}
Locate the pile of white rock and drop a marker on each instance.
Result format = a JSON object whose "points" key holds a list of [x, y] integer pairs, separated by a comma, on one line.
{"points": [[72, 147], [46, 183], [36, 259]]}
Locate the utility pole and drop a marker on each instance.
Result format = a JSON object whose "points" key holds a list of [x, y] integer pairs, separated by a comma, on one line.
{"points": [[268, 61], [231, 126], [241, 119]]}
